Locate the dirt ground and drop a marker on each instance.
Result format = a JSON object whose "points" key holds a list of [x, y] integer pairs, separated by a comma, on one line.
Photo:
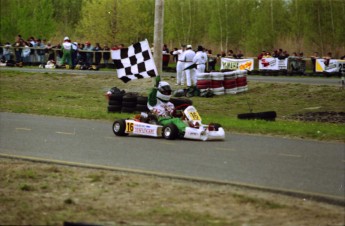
{"points": [[33, 193], [324, 116]]}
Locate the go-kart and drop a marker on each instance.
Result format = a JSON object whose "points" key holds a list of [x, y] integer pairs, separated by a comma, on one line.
{"points": [[147, 125]]}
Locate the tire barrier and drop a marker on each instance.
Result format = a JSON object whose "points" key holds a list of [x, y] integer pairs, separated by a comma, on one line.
{"points": [[227, 82], [267, 115], [120, 101]]}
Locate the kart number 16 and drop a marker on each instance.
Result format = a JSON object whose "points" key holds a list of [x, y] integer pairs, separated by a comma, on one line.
{"points": [[129, 127]]}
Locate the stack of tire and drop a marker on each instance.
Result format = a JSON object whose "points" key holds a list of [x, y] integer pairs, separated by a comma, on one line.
{"points": [[217, 80], [120, 101], [203, 81], [230, 85], [241, 81], [115, 99]]}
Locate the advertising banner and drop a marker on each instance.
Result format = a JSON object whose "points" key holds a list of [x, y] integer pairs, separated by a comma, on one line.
{"points": [[237, 64], [333, 65], [273, 64]]}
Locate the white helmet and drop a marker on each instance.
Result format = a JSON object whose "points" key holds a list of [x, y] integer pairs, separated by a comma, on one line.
{"points": [[164, 91]]}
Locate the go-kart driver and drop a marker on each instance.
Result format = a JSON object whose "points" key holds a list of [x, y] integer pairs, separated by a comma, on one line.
{"points": [[160, 105]]}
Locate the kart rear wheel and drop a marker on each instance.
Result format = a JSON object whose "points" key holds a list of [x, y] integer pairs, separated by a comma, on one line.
{"points": [[170, 132], [119, 127]]}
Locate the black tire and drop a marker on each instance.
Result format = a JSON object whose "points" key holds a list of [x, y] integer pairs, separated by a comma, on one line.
{"points": [[217, 126], [142, 100], [268, 115], [128, 109], [114, 108], [170, 132], [119, 127], [141, 108], [129, 104], [117, 97], [115, 102], [130, 97]]}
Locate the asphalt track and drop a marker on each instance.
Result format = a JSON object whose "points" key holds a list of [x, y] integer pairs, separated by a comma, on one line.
{"points": [[294, 166]]}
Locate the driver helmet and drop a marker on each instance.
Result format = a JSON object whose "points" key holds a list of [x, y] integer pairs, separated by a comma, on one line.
{"points": [[164, 91]]}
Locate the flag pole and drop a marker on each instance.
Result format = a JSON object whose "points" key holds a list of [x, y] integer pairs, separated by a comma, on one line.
{"points": [[158, 36]]}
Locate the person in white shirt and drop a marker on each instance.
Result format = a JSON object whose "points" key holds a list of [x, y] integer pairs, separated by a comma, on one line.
{"points": [[188, 61], [200, 60], [180, 74]]}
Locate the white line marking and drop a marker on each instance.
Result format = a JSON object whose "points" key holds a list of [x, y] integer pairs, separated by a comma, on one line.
{"points": [[289, 155], [65, 133], [25, 129]]}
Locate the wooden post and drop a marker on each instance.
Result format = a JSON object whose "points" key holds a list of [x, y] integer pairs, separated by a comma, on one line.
{"points": [[158, 35]]}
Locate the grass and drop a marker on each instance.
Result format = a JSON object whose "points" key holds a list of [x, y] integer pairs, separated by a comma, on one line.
{"points": [[82, 96]]}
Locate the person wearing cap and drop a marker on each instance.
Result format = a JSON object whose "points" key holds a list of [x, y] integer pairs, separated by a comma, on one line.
{"points": [[188, 61], [200, 60], [180, 74], [67, 50]]}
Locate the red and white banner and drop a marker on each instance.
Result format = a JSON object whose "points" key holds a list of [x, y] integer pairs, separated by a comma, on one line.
{"points": [[273, 64], [237, 64]]}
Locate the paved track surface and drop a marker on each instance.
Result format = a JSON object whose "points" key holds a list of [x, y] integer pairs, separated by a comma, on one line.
{"points": [[272, 162]]}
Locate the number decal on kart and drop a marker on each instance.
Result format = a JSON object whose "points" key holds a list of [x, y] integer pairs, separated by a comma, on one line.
{"points": [[194, 116], [129, 127]]}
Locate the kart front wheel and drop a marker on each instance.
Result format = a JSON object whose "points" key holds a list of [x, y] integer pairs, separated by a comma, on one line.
{"points": [[119, 127], [170, 132]]}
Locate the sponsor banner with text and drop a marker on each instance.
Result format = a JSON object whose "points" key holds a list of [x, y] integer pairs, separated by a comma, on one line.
{"points": [[333, 65], [237, 64], [273, 64]]}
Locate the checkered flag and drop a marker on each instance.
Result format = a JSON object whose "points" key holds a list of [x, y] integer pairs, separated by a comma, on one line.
{"points": [[134, 62]]}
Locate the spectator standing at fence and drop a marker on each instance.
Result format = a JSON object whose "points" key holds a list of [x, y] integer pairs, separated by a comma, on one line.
{"points": [[200, 60], [212, 60], [313, 59], [180, 73], [89, 53], [75, 54], [40, 51], [50, 52], [188, 59], [239, 55], [26, 53], [31, 42], [7, 51], [166, 56], [67, 50], [98, 54], [261, 55], [231, 54], [106, 55], [327, 58]]}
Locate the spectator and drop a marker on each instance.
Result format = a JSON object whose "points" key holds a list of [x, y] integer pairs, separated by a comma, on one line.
{"points": [[40, 51], [200, 60], [188, 59], [327, 58], [7, 51], [98, 55], [89, 54], [212, 60], [74, 54], [313, 60], [231, 54], [26, 53], [81, 55], [32, 44], [67, 53], [180, 73], [261, 55], [166, 56], [106, 55], [239, 55], [267, 55], [50, 52], [19, 43]]}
